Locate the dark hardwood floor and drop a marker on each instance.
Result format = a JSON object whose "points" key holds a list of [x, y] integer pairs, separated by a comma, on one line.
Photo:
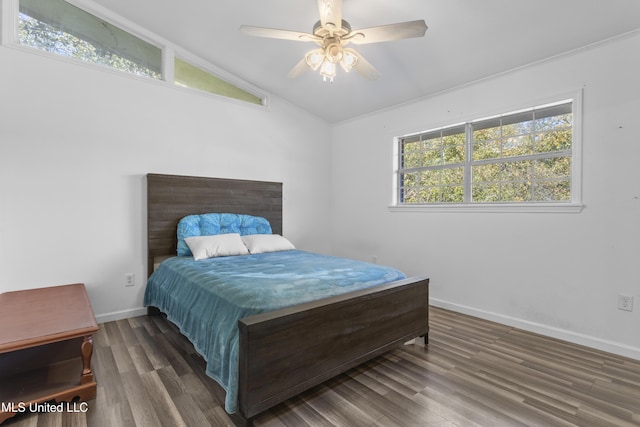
{"points": [[472, 373]]}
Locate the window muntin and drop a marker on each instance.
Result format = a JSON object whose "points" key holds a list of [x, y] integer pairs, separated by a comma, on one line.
{"points": [[61, 28], [521, 157]]}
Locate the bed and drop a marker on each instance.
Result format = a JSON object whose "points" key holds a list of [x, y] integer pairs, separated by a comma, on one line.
{"points": [[286, 345]]}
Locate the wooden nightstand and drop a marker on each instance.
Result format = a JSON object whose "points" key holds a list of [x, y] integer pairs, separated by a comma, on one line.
{"points": [[45, 347]]}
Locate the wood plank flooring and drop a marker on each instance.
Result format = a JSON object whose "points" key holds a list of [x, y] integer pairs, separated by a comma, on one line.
{"points": [[472, 373]]}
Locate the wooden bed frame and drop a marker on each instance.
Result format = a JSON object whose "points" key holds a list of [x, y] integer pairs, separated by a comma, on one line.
{"points": [[287, 351]]}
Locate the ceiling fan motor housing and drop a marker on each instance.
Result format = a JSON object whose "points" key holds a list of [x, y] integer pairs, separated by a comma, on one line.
{"points": [[321, 31]]}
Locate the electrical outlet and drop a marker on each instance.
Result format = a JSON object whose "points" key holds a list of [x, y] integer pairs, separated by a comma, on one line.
{"points": [[129, 279], [625, 302]]}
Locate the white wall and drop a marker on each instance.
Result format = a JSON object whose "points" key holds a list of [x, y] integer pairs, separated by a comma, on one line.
{"points": [[76, 144], [558, 274]]}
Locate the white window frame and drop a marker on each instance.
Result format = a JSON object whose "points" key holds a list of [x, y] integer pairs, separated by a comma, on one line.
{"points": [[9, 10], [8, 22], [573, 206]]}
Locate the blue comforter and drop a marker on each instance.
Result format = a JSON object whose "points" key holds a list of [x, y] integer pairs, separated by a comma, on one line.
{"points": [[206, 298]]}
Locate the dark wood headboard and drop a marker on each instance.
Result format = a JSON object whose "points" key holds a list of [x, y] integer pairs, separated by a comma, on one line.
{"points": [[171, 197]]}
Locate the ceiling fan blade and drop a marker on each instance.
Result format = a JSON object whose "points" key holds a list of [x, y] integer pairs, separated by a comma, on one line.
{"points": [[330, 13], [383, 33], [364, 68], [277, 34], [299, 69]]}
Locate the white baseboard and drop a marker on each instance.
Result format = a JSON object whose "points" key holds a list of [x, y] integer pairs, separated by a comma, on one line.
{"points": [[550, 331], [119, 315]]}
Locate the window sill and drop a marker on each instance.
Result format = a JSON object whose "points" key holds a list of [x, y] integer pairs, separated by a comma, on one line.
{"points": [[493, 207]]}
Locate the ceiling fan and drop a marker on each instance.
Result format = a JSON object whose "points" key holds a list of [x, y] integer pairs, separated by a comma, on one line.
{"points": [[332, 34]]}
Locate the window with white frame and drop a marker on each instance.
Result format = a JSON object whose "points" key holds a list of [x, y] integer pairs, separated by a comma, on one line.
{"points": [[58, 27], [523, 157]]}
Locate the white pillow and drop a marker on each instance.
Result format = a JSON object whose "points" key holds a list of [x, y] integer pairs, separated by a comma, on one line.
{"points": [[203, 247], [259, 243]]}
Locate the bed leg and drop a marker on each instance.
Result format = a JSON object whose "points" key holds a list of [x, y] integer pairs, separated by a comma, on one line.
{"points": [[426, 339], [240, 421], [153, 311]]}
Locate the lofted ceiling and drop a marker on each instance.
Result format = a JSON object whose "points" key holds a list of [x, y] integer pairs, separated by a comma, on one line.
{"points": [[467, 40]]}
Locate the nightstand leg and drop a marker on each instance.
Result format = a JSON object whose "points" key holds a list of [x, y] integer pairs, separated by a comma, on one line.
{"points": [[87, 351]]}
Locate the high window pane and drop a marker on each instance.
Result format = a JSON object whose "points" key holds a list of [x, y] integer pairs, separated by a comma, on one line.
{"points": [[188, 75], [61, 28]]}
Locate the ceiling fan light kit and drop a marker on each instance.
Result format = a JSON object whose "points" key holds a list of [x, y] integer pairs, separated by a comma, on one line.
{"points": [[325, 59], [332, 39]]}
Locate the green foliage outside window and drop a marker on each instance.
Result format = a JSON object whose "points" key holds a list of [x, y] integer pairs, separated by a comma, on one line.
{"points": [[520, 157], [61, 28]]}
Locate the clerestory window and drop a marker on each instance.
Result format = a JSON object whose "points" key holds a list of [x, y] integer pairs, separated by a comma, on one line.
{"points": [[61, 28]]}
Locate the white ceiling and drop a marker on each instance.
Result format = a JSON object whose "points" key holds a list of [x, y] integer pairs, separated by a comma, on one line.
{"points": [[467, 40]]}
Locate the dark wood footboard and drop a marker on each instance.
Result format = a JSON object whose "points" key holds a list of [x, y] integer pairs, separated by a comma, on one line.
{"points": [[287, 351]]}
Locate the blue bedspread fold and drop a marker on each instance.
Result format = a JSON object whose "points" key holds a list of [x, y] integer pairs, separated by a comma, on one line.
{"points": [[206, 298]]}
